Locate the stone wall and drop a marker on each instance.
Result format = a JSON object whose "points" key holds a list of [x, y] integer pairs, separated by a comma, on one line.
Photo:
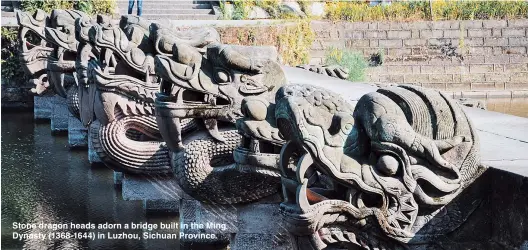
{"points": [[477, 55], [16, 95]]}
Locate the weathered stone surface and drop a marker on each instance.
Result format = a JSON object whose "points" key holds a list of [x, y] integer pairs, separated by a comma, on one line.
{"points": [[299, 110], [77, 133], [258, 13], [59, 115], [42, 107], [161, 206], [217, 220], [93, 139], [151, 187]]}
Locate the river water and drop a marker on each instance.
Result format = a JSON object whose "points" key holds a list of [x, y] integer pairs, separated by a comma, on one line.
{"points": [[45, 182], [513, 106]]}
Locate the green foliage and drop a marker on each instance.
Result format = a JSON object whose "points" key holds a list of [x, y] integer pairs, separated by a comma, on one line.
{"points": [[46, 5], [294, 42], [91, 7], [420, 10], [11, 67], [352, 60], [241, 9], [468, 10]]}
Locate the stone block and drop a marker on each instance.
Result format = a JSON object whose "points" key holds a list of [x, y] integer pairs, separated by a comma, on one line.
{"points": [[494, 77], [391, 43], [151, 187], [456, 86], [416, 78], [440, 78], [357, 43], [376, 34], [414, 42], [471, 24], [161, 206], [259, 227], [482, 68], [351, 34], [479, 32], [42, 107], [497, 59], [399, 52], [450, 69], [469, 78], [243, 241], [518, 23], [475, 41], [516, 67], [403, 34], [518, 41], [77, 133], [514, 50], [431, 33], [420, 25], [496, 32], [59, 115], [519, 77], [431, 69], [494, 24], [437, 86], [491, 41], [482, 86], [213, 219], [518, 58], [118, 179], [446, 24], [455, 33], [514, 32], [93, 138]]}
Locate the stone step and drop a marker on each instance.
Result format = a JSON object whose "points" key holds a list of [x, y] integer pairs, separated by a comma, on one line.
{"points": [[169, 6], [180, 17], [177, 11]]}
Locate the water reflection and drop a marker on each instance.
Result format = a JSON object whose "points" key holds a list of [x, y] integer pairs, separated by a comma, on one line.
{"points": [[44, 182], [512, 106]]}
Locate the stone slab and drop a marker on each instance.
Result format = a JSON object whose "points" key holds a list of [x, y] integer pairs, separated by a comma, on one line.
{"points": [[118, 179], [259, 227], [215, 219], [151, 187], [93, 135], [161, 206], [42, 107], [59, 115], [77, 133]]}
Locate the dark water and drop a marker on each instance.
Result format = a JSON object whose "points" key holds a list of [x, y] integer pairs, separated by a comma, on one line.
{"points": [[44, 182], [512, 106]]}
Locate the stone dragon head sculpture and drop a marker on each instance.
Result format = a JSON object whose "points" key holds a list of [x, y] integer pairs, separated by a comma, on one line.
{"points": [[34, 52], [58, 31], [117, 86], [213, 82], [376, 174]]}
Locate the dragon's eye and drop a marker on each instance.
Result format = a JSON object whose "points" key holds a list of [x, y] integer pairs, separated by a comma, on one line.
{"points": [[222, 76]]}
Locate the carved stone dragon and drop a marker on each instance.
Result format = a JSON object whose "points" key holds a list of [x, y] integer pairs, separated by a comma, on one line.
{"points": [[117, 86], [57, 30], [378, 174], [211, 85]]}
